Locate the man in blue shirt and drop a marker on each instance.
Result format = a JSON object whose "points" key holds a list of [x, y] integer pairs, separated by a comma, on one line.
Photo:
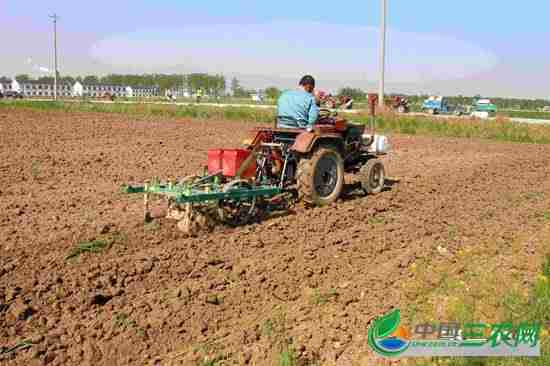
{"points": [[298, 108]]}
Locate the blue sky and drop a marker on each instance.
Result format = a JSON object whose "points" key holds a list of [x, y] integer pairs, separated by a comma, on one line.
{"points": [[466, 47]]}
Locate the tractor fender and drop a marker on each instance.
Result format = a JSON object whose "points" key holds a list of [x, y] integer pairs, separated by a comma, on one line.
{"points": [[306, 141]]}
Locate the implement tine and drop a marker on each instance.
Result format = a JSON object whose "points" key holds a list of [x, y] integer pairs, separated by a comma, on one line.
{"points": [[203, 179], [146, 214]]}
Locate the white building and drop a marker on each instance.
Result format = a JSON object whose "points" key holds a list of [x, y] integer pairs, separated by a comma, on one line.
{"points": [[98, 90], [78, 89], [178, 92], [15, 85], [5, 84], [41, 89], [144, 91]]}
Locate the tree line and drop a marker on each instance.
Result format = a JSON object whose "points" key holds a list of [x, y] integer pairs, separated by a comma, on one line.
{"points": [[216, 85], [501, 103], [209, 84]]}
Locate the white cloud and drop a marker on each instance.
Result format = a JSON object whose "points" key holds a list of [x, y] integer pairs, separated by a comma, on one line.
{"points": [[286, 49]]}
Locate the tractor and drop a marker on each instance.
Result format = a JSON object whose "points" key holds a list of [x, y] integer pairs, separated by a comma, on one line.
{"points": [[329, 101], [274, 168], [398, 103]]}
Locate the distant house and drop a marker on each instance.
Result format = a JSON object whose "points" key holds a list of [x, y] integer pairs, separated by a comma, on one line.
{"points": [[98, 90], [15, 85], [178, 92], [5, 84], [144, 91], [35, 88], [78, 89]]}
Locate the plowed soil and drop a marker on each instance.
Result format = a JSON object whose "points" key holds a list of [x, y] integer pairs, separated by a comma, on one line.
{"points": [[312, 278]]}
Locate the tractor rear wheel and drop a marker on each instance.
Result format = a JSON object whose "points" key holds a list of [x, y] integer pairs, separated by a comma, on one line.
{"points": [[320, 177], [373, 176]]}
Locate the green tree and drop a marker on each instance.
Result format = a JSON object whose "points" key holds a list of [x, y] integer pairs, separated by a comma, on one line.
{"points": [[46, 79], [354, 93], [91, 79], [196, 82], [68, 80], [235, 85], [236, 88], [220, 85], [21, 78], [210, 84], [272, 92]]}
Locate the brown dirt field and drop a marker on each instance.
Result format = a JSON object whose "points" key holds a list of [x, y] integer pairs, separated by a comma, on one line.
{"points": [[315, 277]]}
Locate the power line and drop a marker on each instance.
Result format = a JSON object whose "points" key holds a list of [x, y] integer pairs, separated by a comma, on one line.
{"points": [[55, 18]]}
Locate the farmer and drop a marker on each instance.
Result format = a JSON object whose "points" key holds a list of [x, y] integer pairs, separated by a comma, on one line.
{"points": [[298, 108], [199, 95]]}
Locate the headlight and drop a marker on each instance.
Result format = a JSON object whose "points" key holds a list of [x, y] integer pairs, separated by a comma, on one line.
{"points": [[380, 145]]}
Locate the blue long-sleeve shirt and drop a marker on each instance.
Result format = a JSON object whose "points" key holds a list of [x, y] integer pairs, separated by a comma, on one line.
{"points": [[296, 109]]}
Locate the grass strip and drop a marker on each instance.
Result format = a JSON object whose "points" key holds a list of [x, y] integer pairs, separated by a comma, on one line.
{"points": [[93, 246], [498, 130]]}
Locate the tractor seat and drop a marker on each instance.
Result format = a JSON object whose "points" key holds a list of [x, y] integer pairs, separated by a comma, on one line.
{"points": [[286, 137], [339, 124]]}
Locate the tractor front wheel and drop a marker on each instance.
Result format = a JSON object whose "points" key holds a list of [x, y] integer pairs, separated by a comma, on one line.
{"points": [[320, 177], [373, 176]]}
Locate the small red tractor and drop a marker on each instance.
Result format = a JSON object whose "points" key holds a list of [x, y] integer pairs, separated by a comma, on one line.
{"points": [[331, 102], [399, 104], [276, 167]]}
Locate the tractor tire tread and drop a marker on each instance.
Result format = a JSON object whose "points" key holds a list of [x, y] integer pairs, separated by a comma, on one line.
{"points": [[365, 176], [305, 176]]}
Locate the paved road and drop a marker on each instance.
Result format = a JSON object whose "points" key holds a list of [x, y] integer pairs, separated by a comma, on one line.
{"points": [[269, 106], [531, 120]]}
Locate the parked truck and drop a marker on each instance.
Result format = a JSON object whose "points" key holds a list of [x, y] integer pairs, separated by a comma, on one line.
{"points": [[436, 105], [482, 108], [484, 105], [440, 105]]}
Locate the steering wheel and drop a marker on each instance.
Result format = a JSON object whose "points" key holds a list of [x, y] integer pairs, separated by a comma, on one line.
{"points": [[325, 112]]}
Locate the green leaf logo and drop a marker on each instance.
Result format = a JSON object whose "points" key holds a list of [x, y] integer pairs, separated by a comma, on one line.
{"points": [[387, 324], [379, 335]]}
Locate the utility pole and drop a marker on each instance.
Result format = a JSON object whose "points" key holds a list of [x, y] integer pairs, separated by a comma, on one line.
{"points": [[383, 5], [55, 17]]}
